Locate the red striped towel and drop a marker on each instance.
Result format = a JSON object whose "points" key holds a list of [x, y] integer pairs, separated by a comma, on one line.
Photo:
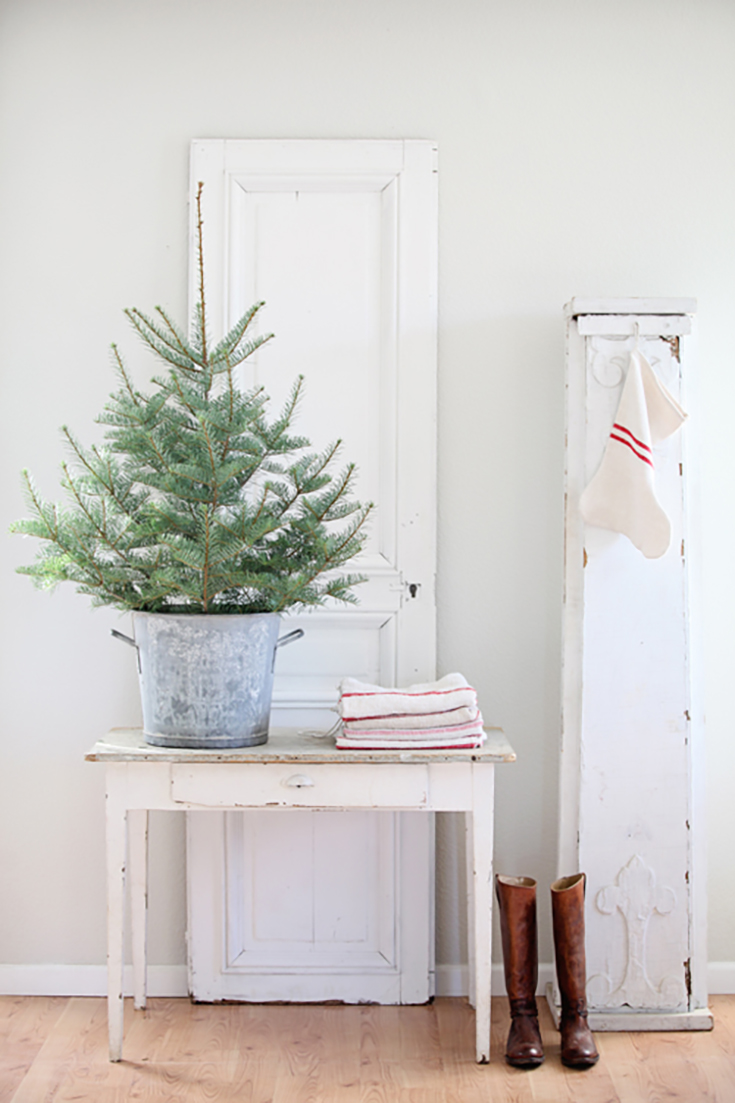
{"points": [[362, 701], [463, 743]]}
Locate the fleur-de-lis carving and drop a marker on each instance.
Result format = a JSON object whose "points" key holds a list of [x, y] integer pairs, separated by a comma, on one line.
{"points": [[636, 896]]}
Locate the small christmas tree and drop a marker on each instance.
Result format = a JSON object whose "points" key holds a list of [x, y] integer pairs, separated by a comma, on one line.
{"points": [[195, 503]]}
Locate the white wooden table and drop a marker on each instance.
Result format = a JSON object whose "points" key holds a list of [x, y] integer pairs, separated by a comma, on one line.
{"points": [[289, 771]]}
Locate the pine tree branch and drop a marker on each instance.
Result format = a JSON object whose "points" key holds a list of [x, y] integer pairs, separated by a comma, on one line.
{"points": [[108, 485], [231, 398], [121, 369], [160, 342], [179, 341], [55, 535], [202, 303], [205, 572], [301, 492], [171, 521], [101, 532], [243, 352], [321, 568], [37, 503], [213, 484], [229, 345]]}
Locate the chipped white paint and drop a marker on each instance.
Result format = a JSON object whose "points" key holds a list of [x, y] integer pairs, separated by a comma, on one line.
{"points": [[216, 784], [138, 862], [631, 736], [292, 747]]}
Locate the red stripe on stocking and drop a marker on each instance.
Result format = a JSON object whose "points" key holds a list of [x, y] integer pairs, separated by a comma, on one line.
{"points": [[622, 440], [622, 429]]}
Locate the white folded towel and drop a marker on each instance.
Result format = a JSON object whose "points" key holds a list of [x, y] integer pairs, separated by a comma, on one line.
{"points": [[428, 720], [458, 743], [362, 701], [409, 733]]}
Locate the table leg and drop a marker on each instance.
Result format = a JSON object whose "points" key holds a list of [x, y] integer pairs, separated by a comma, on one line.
{"points": [[116, 847], [138, 862], [469, 848], [482, 905]]}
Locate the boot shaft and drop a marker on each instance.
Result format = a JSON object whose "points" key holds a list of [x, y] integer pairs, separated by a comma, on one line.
{"points": [[517, 908], [518, 927], [567, 910], [578, 1048]]}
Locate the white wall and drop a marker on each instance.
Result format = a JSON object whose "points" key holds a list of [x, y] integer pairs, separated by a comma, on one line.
{"points": [[585, 149]]}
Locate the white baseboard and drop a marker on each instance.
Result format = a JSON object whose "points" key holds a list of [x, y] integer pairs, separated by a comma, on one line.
{"points": [[86, 980], [171, 980], [721, 978], [452, 980]]}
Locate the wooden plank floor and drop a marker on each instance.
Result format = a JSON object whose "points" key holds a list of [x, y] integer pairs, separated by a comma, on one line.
{"points": [[55, 1049]]}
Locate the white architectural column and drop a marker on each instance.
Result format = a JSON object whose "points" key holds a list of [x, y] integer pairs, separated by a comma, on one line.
{"points": [[631, 729]]}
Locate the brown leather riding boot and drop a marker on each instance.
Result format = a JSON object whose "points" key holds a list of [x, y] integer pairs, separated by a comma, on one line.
{"points": [[517, 906], [567, 907]]}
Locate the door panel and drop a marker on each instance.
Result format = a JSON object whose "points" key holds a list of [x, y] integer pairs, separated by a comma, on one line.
{"points": [[310, 906], [299, 908], [332, 328]]}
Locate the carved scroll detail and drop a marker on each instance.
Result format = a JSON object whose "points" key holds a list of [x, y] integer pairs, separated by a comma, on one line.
{"points": [[608, 358], [637, 897]]}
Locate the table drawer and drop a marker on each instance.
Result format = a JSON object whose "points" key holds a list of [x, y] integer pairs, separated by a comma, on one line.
{"points": [[255, 785]]}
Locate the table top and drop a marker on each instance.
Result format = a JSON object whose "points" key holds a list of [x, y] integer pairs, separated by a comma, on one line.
{"points": [[289, 745]]}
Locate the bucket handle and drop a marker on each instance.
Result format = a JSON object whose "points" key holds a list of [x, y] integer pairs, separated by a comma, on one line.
{"points": [[128, 640], [291, 637]]}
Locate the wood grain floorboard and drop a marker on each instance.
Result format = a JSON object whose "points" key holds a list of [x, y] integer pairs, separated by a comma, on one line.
{"points": [[564, 1085], [651, 1067], [77, 1039], [24, 1025], [55, 1051], [465, 1080]]}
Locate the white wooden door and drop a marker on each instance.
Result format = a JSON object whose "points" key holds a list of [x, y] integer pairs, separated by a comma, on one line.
{"points": [[339, 238]]}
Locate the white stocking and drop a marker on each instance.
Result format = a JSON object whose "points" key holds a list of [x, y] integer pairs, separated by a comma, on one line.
{"points": [[621, 494]]}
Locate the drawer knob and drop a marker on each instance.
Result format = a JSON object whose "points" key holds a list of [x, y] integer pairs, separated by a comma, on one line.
{"points": [[298, 781]]}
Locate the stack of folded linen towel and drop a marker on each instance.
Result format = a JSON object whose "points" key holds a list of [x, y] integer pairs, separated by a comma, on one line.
{"points": [[431, 716]]}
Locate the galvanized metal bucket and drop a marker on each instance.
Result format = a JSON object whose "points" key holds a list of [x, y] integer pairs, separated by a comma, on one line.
{"points": [[206, 680]]}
